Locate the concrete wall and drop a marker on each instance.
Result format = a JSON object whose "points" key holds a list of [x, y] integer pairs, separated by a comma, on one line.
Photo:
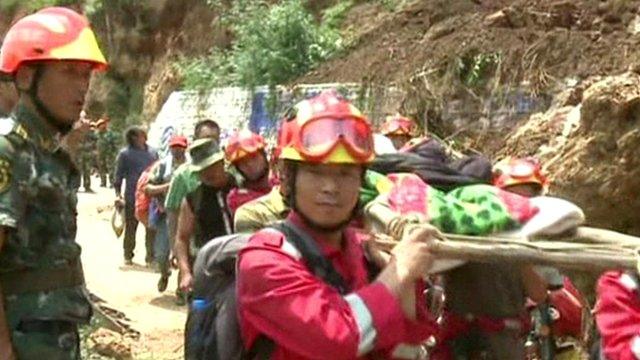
{"points": [[236, 108]]}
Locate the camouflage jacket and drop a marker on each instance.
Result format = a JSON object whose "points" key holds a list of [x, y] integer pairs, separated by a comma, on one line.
{"points": [[38, 185], [108, 144], [88, 146]]}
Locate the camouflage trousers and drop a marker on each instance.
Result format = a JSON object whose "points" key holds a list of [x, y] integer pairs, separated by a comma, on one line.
{"points": [[86, 165], [106, 170], [50, 340]]}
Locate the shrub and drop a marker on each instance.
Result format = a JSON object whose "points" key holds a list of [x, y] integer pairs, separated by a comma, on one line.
{"points": [[273, 45]]}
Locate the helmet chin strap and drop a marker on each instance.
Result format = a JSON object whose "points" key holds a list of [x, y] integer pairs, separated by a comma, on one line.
{"points": [[41, 108]]}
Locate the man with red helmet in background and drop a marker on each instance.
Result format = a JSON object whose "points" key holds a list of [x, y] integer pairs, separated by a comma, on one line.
{"points": [[50, 57], [522, 176], [157, 187], [399, 129], [327, 144], [562, 314], [246, 151]]}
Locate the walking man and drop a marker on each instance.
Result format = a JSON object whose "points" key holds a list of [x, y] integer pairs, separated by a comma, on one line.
{"points": [[131, 162]]}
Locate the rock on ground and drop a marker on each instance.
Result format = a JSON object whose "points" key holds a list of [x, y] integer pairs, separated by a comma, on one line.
{"points": [[110, 343]]}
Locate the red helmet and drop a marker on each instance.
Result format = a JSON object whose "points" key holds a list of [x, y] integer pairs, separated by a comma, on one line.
{"points": [[569, 311], [397, 125], [326, 129], [53, 33], [178, 141], [515, 171], [243, 143]]}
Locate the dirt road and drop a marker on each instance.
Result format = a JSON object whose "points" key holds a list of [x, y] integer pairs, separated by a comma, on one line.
{"points": [[129, 289]]}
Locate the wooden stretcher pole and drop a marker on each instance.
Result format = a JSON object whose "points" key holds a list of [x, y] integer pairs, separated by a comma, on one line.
{"points": [[578, 260], [602, 236], [561, 254], [589, 249]]}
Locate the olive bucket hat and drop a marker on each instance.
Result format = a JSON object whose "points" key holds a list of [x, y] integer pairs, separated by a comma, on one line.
{"points": [[204, 153]]}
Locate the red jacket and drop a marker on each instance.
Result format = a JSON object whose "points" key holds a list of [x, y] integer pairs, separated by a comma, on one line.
{"points": [[240, 196], [308, 319], [618, 315]]}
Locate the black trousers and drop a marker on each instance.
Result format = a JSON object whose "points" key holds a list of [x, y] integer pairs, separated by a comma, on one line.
{"points": [[130, 227]]}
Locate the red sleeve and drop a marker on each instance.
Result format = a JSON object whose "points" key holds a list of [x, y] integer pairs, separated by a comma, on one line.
{"points": [[232, 201], [283, 300], [618, 316]]}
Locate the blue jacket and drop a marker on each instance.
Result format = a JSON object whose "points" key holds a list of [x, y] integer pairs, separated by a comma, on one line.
{"points": [[131, 162]]}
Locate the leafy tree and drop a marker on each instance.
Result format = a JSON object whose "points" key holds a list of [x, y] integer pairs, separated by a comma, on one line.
{"points": [[273, 45]]}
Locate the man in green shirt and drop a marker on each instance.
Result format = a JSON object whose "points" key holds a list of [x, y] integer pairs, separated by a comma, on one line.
{"points": [[185, 180], [50, 56]]}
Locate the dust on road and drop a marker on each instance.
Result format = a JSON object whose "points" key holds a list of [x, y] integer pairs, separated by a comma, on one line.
{"points": [[129, 289]]}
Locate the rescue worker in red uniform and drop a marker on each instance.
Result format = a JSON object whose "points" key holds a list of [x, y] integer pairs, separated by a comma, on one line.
{"points": [[617, 315], [522, 176], [246, 152], [485, 315], [399, 129], [327, 144], [559, 317]]}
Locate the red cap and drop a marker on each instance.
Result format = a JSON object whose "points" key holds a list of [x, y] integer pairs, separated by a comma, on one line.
{"points": [[178, 140]]}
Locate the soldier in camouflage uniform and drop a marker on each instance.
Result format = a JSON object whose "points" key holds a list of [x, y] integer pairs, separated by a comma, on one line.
{"points": [[50, 55], [87, 157], [108, 147]]}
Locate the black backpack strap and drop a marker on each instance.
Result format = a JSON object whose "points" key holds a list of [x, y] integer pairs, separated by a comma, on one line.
{"points": [[311, 253], [263, 347], [373, 270]]}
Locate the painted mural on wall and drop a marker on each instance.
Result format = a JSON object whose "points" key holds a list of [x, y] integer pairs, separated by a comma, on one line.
{"points": [[235, 108]]}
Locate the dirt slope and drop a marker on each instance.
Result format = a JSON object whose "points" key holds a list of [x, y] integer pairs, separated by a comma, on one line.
{"points": [[589, 144], [589, 137], [561, 38]]}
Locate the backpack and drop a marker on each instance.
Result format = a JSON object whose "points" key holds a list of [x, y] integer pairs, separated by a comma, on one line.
{"points": [[142, 199], [212, 330]]}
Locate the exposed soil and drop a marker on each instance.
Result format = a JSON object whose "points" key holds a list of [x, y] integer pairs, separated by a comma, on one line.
{"points": [[559, 38], [589, 145], [127, 292]]}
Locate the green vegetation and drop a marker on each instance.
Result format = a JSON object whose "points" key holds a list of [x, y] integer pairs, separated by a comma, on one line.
{"points": [[334, 16], [213, 69], [96, 7], [390, 5], [33, 5], [273, 45], [475, 70]]}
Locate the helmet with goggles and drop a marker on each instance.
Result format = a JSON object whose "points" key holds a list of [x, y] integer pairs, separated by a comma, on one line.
{"points": [[397, 125], [242, 144], [518, 171], [326, 129]]}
